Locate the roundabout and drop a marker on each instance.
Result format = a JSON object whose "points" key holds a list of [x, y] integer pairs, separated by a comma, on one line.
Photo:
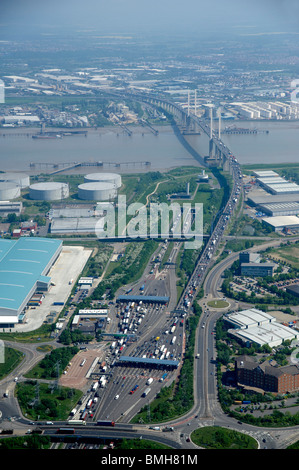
{"points": [[218, 303]]}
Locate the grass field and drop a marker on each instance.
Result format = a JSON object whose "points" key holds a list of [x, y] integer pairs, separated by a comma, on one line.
{"points": [[288, 253], [218, 304]]}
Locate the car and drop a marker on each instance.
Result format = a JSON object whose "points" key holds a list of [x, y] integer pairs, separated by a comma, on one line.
{"points": [[116, 397]]}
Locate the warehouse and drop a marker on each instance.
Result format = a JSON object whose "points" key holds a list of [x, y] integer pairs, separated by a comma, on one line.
{"points": [[77, 225], [288, 222], [8, 207], [280, 208], [259, 197], [247, 318], [255, 326], [281, 188], [24, 265], [74, 211], [143, 298], [266, 182], [265, 174]]}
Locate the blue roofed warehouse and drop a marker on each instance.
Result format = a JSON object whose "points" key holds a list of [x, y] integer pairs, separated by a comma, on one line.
{"points": [[24, 265]]}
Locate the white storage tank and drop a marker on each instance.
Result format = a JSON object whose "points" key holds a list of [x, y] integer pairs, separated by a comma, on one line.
{"points": [[49, 191], [9, 191], [112, 178], [19, 179], [97, 191]]}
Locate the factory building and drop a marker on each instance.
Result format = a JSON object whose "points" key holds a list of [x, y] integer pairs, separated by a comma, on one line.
{"points": [[280, 208], [49, 191], [255, 326], [285, 223], [97, 191], [8, 207], [20, 179], [24, 267], [281, 187], [77, 225], [265, 173], [112, 178], [74, 211], [9, 191], [259, 197]]}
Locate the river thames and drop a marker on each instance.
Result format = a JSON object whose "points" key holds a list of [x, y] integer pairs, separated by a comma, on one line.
{"points": [[18, 149]]}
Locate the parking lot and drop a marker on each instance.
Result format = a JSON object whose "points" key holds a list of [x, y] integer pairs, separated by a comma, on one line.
{"points": [[68, 267]]}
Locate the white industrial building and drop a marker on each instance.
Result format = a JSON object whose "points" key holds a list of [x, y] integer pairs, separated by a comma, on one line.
{"points": [[8, 207], [265, 173], [280, 208], [77, 225], [279, 223], [256, 326]]}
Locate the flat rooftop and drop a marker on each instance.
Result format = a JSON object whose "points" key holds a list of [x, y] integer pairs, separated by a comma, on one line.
{"points": [[24, 263], [271, 333], [143, 298], [252, 316], [260, 196], [282, 221], [265, 173], [77, 225]]}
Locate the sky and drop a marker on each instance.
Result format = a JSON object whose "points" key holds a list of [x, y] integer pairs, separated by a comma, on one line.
{"points": [[150, 15]]}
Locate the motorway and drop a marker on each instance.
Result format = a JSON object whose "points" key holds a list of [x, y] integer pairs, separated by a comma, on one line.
{"points": [[206, 410]]}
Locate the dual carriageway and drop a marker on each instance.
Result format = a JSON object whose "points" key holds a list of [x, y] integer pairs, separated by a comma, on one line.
{"points": [[155, 322]]}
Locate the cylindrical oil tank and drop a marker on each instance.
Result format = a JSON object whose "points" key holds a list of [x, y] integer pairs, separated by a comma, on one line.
{"points": [[112, 178], [97, 191], [9, 191], [49, 191], [20, 179]]}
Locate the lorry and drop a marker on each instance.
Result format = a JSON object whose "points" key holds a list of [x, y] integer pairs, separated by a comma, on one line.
{"points": [[149, 381], [105, 423], [146, 391], [95, 386], [80, 422], [89, 404]]}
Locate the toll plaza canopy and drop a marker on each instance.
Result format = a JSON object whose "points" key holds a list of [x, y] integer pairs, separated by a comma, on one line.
{"points": [[143, 298], [145, 361]]}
